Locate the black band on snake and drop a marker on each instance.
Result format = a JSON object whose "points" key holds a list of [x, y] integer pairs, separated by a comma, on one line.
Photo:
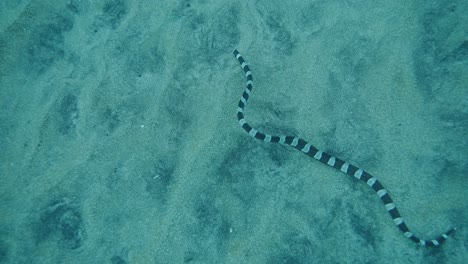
{"points": [[326, 158]]}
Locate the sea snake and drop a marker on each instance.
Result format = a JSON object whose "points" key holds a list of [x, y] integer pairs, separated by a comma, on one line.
{"points": [[328, 159]]}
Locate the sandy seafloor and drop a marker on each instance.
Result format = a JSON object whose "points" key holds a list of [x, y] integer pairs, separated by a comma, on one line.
{"points": [[120, 143]]}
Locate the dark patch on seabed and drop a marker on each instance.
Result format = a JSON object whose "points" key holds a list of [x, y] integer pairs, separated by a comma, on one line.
{"points": [[113, 12], [4, 251], [46, 44], [206, 37], [235, 171], [61, 220], [118, 260], [295, 248], [68, 112], [159, 179]]}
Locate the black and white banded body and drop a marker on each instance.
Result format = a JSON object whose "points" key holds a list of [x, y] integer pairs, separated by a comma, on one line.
{"points": [[326, 158]]}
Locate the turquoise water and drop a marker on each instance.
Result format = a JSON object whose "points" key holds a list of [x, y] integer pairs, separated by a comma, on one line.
{"points": [[120, 142]]}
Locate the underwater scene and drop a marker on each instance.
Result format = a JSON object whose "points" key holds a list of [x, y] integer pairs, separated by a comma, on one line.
{"points": [[203, 131]]}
